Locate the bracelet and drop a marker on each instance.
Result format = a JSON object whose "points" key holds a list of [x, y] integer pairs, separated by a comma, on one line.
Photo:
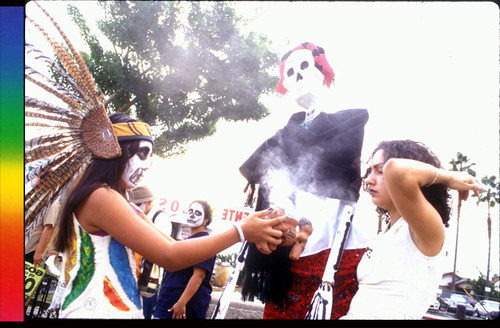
{"points": [[435, 177], [240, 231]]}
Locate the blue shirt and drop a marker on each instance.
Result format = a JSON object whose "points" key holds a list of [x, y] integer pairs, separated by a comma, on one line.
{"points": [[174, 284]]}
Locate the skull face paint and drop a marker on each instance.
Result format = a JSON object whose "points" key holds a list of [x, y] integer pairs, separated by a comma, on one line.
{"points": [[301, 78], [196, 215], [137, 165]]}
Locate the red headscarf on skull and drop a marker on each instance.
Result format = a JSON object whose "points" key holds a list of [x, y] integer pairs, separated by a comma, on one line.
{"points": [[319, 61]]}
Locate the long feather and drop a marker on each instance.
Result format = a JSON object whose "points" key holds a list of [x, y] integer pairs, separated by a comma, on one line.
{"points": [[39, 119], [50, 90], [65, 59], [47, 83], [79, 73], [58, 172], [48, 189], [39, 141], [52, 125], [48, 120], [35, 168], [63, 138], [55, 176], [46, 150]]}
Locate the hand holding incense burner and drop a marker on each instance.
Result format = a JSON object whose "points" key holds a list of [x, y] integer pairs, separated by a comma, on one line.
{"points": [[290, 236]]}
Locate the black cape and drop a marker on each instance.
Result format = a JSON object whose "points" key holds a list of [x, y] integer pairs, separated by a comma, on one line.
{"points": [[323, 159]]}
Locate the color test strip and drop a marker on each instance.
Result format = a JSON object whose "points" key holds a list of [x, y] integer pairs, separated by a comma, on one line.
{"points": [[11, 163]]}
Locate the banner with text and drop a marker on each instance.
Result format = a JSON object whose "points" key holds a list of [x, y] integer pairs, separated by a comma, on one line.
{"points": [[223, 216], [32, 279]]}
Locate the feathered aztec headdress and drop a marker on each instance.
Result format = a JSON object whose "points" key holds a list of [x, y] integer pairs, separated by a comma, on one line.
{"points": [[71, 134], [320, 63]]}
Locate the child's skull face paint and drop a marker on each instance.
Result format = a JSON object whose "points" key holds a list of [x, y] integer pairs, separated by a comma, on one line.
{"points": [[196, 215], [301, 78], [137, 165]]}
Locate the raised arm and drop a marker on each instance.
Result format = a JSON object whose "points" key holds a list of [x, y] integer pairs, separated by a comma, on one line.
{"points": [[404, 179]]}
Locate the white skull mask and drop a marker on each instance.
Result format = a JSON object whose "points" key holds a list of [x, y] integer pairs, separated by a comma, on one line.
{"points": [[302, 79], [196, 215], [137, 165]]}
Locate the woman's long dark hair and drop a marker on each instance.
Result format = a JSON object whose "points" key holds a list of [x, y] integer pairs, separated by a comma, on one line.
{"points": [[438, 195], [100, 173]]}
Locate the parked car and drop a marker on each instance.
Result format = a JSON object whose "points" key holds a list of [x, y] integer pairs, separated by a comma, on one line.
{"points": [[443, 303], [491, 307], [435, 305], [457, 299]]}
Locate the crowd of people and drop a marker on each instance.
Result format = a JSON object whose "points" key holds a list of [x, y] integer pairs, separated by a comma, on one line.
{"points": [[106, 219]]}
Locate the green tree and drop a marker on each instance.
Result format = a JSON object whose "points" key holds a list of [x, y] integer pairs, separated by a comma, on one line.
{"points": [[460, 163], [489, 195], [478, 286], [180, 66]]}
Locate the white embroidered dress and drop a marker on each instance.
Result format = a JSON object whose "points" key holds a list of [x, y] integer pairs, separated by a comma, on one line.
{"points": [[101, 278]]}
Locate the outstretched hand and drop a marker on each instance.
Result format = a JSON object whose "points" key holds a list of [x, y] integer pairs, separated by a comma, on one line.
{"points": [[259, 230]]}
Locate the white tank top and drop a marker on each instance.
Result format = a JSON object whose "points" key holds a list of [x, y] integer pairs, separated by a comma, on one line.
{"points": [[101, 278], [396, 281]]}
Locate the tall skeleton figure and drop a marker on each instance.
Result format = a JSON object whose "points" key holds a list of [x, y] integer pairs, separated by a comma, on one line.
{"points": [[317, 177]]}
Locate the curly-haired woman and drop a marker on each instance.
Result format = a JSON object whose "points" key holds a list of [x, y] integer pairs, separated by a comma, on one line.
{"points": [[401, 271]]}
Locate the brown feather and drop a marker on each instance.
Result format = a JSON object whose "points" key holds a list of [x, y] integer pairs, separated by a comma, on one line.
{"points": [[49, 188], [32, 103], [51, 120], [40, 56], [56, 87], [85, 75], [48, 150], [68, 137], [65, 60], [46, 140], [64, 98]]}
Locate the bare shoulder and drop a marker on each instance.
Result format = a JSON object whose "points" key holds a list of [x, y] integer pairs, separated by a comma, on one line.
{"points": [[100, 204], [105, 196], [105, 192]]}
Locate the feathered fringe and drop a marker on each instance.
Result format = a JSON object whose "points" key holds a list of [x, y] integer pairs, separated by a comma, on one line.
{"points": [[66, 136], [48, 189], [77, 105]]}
